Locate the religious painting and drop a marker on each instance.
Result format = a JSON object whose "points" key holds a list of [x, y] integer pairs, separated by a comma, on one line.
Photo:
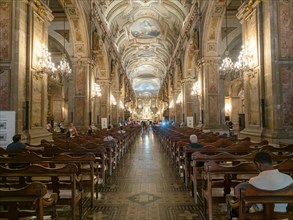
{"points": [[146, 53], [145, 68], [145, 28], [79, 110]]}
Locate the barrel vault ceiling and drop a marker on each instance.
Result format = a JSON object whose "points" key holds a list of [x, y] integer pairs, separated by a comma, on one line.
{"points": [[145, 33]]}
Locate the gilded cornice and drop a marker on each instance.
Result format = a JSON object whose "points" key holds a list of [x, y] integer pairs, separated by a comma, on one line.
{"points": [[187, 80], [103, 82], [247, 8], [42, 9]]}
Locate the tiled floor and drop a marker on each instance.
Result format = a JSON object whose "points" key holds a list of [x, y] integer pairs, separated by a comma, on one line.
{"points": [[144, 186]]}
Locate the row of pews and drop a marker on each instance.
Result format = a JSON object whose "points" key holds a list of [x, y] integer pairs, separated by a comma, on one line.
{"points": [[60, 173], [212, 172]]}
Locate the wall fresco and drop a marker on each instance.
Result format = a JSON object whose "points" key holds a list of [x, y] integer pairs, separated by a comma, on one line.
{"points": [[287, 91], [212, 72], [254, 102], [36, 107], [213, 109], [285, 28], [79, 111], [79, 81], [5, 30], [4, 88]]}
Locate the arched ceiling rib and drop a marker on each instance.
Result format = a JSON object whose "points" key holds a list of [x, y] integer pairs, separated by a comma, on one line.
{"points": [[146, 34]]}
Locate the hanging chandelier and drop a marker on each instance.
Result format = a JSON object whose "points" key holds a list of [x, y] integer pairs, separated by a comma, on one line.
{"points": [[195, 89], [64, 67], [245, 61], [227, 65], [45, 65]]}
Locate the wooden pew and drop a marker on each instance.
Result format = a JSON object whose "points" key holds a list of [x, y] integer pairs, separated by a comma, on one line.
{"points": [[33, 195], [213, 169], [249, 195], [68, 171], [84, 159], [199, 158]]}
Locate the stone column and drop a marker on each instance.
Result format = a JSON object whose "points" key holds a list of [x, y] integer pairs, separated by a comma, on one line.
{"points": [[213, 94], [188, 100], [79, 93], [104, 107], [177, 108], [268, 97], [115, 108], [26, 28]]}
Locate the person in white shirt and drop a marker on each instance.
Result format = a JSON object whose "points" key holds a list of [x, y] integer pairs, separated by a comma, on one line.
{"points": [[268, 179]]}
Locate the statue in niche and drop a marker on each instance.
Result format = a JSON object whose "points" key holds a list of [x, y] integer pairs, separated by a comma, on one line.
{"points": [[195, 40]]}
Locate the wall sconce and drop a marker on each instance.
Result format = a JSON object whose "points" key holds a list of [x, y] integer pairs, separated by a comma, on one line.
{"points": [[227, 108]]}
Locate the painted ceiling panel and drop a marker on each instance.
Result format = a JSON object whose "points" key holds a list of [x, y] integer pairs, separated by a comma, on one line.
{"points": [[146, 33]]}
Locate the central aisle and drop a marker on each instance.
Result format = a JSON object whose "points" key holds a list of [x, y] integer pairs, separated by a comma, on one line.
{"points": [[144, 186]]}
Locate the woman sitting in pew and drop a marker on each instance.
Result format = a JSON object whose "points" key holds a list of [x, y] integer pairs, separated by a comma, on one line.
{"points": [[268, 179], [72, 131]]}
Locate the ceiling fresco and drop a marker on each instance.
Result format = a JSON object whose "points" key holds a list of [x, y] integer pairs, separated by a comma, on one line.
{"points": [[145, 33]]}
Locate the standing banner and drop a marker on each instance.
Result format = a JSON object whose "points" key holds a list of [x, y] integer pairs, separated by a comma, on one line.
{"points": [[190, 122], [104, 123], [7, 127]]}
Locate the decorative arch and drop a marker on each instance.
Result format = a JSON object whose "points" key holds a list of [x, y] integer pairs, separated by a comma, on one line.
{"points": [[78, 25], [212, 27]]}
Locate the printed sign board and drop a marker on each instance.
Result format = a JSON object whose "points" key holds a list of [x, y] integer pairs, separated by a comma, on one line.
{"points": [[7, 127]]}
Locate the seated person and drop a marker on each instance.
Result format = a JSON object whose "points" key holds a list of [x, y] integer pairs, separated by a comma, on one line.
{"points": [[109, 138], [49, 127], [93, 127], [56, 128], [17, 145], [61, 126], [268, 179], [194, 144], [72, 131], [121, 131]]}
